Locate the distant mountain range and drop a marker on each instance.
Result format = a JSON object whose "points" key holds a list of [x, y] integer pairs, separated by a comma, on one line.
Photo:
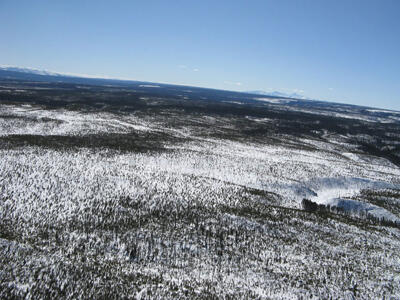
{"points": [[32, 74], [278, 94], [30, 71], [34, 71]]}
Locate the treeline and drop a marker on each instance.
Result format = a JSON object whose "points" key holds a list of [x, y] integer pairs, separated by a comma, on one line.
{"points": [[311, 206]]}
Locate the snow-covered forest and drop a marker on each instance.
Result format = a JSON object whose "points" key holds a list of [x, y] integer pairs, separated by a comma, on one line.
{"points": [[184, 197]]}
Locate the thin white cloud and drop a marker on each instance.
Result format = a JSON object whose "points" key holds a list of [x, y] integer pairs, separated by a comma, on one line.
{"points": [[331, 89], [195, 70]]}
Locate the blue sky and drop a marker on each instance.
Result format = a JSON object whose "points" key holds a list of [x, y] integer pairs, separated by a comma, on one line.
{"points": [[340, 50]]}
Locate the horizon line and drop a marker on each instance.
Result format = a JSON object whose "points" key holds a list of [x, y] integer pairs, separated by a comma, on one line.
{"points": [[105, 77]]}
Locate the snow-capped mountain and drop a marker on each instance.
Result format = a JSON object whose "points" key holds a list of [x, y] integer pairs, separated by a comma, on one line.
{"points": [[29, 71], [278, 94]]}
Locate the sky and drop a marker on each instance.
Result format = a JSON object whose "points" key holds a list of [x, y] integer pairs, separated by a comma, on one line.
{"points": [[345, 51]]}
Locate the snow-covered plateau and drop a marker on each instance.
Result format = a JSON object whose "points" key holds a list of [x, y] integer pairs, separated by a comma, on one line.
{"points": [[171, 197]]}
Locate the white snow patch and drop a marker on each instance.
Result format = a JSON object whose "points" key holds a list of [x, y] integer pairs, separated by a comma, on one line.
{"points": [[383, 111], [336, 191], [328, 189], [358, 206], [149, 86], [273, 100]]}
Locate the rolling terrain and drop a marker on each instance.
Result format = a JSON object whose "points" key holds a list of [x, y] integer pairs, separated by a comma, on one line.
{"points": [[119, 189]]}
